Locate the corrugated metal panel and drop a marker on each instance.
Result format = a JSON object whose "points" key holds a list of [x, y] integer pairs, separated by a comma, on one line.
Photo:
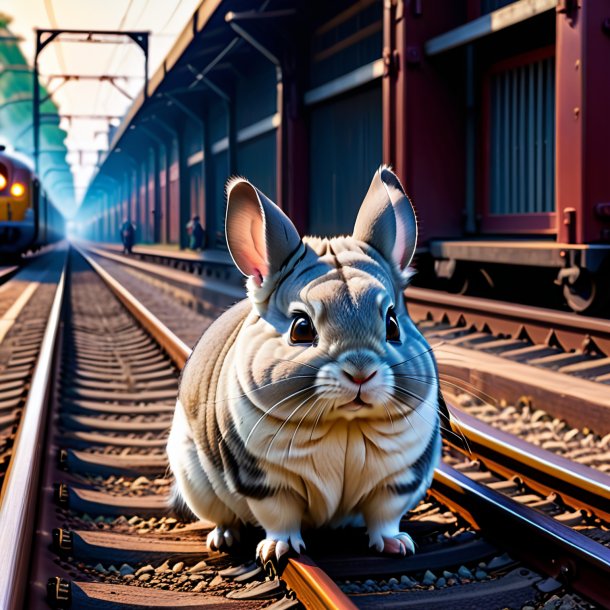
{"points": [[345, 151], [220, 171], [256, 160], [346, 40], [193, 137], [487, 6], [255, 92], [522, 118], [217, 120], [174, 195]]}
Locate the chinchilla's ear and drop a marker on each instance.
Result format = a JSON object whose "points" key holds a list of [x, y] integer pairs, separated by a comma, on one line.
{"points": [[259, 235], [386, 219]]}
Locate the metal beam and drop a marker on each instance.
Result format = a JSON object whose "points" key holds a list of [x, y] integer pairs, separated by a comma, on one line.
{"points": [[44, 37], [514, 13], [351, 80]]}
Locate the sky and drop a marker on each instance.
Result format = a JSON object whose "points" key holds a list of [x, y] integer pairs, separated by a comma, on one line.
{"points": [[164, 19]]}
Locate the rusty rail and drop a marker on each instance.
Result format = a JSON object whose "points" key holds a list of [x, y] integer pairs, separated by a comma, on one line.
{"points": [[20, 492], [539, 540], [313, 587], [572, 331], [558, 548], [580, 486]]}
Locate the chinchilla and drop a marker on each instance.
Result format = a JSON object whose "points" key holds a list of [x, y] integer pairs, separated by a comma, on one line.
{"points": [[315, 401]]}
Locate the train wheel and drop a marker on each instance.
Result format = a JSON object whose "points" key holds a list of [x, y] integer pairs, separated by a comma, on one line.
{"points": [[585, 295]]}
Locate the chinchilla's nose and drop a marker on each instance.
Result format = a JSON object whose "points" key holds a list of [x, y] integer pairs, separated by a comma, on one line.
{"points": [[359, 378], [359, 366]]}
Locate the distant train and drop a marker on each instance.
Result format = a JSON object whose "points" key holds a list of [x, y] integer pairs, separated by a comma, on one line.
{"points": [[28, 219]]}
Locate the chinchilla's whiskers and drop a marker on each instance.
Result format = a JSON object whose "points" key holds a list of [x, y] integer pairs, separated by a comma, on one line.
{"points": [[317, 421], [262, 387], [419, 355], [455, 418], [390, 416], [420, 400], [311, 366], [411, 394], [448, 430], [469, 388], [294, 434], [283, 425], [458, 384], [399, 405], [277, 404]]}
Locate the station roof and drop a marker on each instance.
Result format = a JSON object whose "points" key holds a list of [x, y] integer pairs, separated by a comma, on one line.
{"points": [[199, 51]]}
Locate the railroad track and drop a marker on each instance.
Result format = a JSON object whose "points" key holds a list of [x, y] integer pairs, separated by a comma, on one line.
{"points": [[6, 272], [111, 412], [487, 362], [26, 343], [555, 358], [25, 302]]}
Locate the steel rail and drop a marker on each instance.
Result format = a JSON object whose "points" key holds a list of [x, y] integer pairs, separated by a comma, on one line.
{"points": [[534, 537], [559, 550], [177, 350], [571, 329], [580, 486], [313, 587], [6, 273], [20, 491]]}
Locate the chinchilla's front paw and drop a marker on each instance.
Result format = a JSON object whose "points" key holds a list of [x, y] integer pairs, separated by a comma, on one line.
{"points": [[400, 544], [275, 549], [270, 550], [222, 538]]}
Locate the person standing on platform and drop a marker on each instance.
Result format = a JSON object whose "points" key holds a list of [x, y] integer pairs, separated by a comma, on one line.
{"points": [[196, 233], [128, 235]]}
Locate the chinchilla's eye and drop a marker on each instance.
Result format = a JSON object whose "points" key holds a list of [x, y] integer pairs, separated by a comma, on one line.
{"points": [[302, 329], [392, 330]]}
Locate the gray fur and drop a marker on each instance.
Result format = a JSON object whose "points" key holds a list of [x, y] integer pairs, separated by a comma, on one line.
{"points": [[279, 434]]}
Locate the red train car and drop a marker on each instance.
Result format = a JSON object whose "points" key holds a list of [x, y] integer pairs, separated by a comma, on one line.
{"points": [[497, 122]]}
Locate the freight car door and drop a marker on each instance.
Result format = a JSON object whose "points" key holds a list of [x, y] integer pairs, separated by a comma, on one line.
{"points": [[345, 117]]}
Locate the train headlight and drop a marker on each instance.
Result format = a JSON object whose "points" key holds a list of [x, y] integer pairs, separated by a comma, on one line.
{"points": [[2, 182], [17, 189]]}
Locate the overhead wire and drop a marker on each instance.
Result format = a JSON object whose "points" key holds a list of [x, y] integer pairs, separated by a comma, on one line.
{"points": [[112, 55], [48, 5], [172, 15]]}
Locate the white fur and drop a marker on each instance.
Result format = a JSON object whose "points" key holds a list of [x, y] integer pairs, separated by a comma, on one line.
{"points": [[322, 449]]}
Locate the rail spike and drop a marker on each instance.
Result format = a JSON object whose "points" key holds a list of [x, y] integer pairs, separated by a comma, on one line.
{"points": [[62, 459], [59, 593], [62, 541], [62, 494]]}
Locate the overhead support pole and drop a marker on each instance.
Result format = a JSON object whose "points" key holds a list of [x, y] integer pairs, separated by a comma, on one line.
{"points": [[173, 133], [184, 193], [212, 223], [111, 227], [44, 37], [157, 214], [134, 166], [289, 61]]}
